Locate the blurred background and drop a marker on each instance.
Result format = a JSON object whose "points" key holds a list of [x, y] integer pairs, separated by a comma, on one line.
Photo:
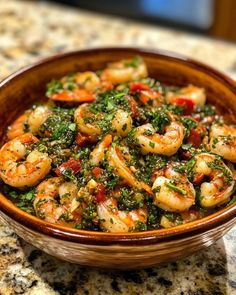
{"points": [[215, 18]]}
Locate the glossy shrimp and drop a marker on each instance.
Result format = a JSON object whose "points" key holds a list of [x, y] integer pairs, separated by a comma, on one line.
{"points": [[183, 218], [98, 154], [195, 94], [125, 71], [19, 168], [30, 121], [90, 128], [114, 220], [223, 141], [219, 186], [117, 161], [87, 122], [37, 117], [17, 128], [173, 191], [56, 201], [166, 144]]}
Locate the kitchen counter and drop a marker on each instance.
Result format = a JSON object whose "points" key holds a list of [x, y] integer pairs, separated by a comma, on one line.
{"points": [[29, 31]]}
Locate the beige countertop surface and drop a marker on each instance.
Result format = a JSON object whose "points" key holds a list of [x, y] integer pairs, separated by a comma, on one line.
{"points": [[30, 30]]}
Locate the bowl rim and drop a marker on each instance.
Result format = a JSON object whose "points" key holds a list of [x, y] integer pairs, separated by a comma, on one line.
{"points": [[126, 239]]}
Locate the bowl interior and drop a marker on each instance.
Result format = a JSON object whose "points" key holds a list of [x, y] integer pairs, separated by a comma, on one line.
{"points": [[28, 85]]}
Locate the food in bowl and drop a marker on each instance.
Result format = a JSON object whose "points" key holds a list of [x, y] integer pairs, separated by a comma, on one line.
{"points": [[117, 151]]}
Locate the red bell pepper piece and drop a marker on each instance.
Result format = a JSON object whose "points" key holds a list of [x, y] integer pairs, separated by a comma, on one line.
{"points": [[187, 103], [137, 86], [73, 164], [100, 195]]}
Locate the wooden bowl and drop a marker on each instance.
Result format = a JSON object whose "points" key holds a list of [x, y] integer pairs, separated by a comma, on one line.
{"points": [[109, 250]]}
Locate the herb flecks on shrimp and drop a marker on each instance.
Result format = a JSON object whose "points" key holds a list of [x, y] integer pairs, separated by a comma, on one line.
{"points": [[117, 151]]}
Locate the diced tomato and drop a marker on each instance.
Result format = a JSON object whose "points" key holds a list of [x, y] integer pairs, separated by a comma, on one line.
{"points": [[194, 138], [97, 171], [137, 86], [82, 139], [133, 107], [187, 103], [73, 164], [198, 178], [148, 95], [100, 195], [78, 95]]}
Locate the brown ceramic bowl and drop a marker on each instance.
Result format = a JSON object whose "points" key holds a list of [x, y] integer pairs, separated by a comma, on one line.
{"points": [[121, 251]]}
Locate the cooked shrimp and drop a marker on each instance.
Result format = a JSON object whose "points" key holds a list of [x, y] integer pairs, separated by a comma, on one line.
{"points": [[114, 220], [116, 160], [124, 71], [185, 217], [98, 154], [122, 123], [195, 94], [88, 80], [166, 144], [220, 186], [223, 141], [90, 128], [173, 191], [37, 117], [46, 205], [19, 169], [17, 128]]}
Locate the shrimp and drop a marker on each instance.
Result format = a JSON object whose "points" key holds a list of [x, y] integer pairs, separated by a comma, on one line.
{"points": [[90, 128], [223, 141], [19, 169], [48, 208], [114, 220], [166, 144], [88, 80], [124, 71], [17, 128], [183, 218], [195, 94], [98, 154], [122, 123], [116, 160], [173, 191], [30, 120], [220, 186], [37, 117]]}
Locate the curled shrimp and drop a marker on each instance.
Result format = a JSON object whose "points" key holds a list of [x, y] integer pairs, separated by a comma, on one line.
{"points": [[220, 186], [88, 80], [90, 128], [114, 220], [19, 169], [124, 71], [98, 154], [121, 123], [223, 141], [30, 120], [47, 206], [166, 144], [17, 128], [173, 191], [117, 161], [195, 94], [37, 117], [185, 217]]}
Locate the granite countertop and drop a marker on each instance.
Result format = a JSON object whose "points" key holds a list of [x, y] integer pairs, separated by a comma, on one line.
{"points": [[29, 31]]}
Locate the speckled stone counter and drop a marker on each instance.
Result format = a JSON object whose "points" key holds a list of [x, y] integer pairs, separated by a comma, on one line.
{"points": [[31, 30]]}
